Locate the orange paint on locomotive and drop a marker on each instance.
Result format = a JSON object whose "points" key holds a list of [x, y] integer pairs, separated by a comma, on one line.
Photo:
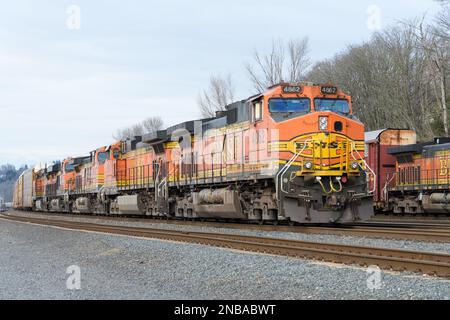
{"points": [[424, 170], [243, 149]]}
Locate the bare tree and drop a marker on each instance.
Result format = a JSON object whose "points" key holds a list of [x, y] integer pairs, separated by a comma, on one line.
{"points": [[124, 134], [443, 19], [150, 124], [219, 94], [137, 129], [299, 60], [267, 70], [387, 79], [285, 62], [436, 47]]}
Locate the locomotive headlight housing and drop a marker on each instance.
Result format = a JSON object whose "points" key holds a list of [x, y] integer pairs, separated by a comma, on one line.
{"points": [[323, 123], [354, 165], [308, 165]]}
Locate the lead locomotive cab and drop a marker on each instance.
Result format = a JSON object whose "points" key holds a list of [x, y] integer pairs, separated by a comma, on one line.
{"points": [[321, 175]]}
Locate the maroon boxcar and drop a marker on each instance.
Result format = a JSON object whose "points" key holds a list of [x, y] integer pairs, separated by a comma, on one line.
{"points": [[380, 161]]}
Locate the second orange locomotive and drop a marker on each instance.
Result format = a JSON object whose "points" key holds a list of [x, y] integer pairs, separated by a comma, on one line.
{"points": [[294, 152]]}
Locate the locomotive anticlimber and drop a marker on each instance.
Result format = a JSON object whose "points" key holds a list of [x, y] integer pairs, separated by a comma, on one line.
{"points": [[293, 153]]}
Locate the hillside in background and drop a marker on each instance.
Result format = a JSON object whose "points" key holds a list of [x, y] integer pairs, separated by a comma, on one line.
{"points": [[8, 176]]}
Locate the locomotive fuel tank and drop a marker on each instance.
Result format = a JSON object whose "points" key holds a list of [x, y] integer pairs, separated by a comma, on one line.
{"points": [[436, 202], [219, 203], [39, 205], [439, 198], [208, 196], [55, 204], [131, 204], [81, 205]]}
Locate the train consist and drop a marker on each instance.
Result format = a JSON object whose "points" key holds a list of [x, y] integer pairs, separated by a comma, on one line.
{"points": [[411, 178], [293, 153]]}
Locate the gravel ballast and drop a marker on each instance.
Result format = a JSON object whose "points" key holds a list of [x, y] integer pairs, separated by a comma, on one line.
{"points": [[439, 247], [34, 260]]}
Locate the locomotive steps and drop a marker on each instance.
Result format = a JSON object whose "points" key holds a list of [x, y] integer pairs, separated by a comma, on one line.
{"points": [[390, 259]]}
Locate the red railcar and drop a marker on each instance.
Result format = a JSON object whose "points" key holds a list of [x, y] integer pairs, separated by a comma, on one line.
{"points": [[380, 161]]}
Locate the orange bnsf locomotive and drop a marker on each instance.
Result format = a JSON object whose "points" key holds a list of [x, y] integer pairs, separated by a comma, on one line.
{"points": [[421, 181], [293, 153]]}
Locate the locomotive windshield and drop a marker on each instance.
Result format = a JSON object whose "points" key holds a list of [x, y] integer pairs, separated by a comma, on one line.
{"points": [[297, 105], [335, 105], [69, 167]]}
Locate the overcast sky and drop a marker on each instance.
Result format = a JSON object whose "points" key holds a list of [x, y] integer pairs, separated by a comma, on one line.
{"points": [[65, 86]]}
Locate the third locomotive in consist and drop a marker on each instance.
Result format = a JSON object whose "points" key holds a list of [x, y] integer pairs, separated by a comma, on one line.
{"points": [[293, 153]]}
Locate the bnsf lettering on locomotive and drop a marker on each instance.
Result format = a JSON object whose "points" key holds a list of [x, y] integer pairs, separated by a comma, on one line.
{"points": [[443, 170], [320, 144], [333, 145]]}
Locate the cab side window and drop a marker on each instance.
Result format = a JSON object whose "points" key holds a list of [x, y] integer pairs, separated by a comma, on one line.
{"points": [[102, 157], [257, 111]]}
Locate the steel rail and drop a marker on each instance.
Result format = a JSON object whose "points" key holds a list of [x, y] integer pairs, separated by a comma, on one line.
{"points": [[372, 230], [410, 219], [395, 259]]}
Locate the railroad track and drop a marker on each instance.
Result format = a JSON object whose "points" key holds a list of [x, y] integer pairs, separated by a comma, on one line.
{"points": [[393, 259], [431, 220], [371, 230]]}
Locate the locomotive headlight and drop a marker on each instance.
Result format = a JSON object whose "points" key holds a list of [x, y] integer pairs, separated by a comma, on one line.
{"points": [[323, 123], [308, 165], [354, 165]]}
